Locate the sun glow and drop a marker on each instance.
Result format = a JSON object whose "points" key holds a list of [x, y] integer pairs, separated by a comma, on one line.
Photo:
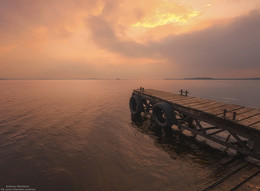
{"points": [[166, 18]]}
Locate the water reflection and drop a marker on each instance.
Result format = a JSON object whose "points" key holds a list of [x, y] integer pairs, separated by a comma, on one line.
{"points": [[175, 143], [219, 165], [77, 135]]}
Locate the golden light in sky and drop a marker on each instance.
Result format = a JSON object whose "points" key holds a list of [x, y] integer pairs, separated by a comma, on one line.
{"points": [[167, 13], [104, 38], [161, 19]]}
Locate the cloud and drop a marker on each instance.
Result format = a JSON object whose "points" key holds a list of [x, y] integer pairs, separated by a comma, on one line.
{"points": [[41, 37], [105, 37], [218, 48], [19, 19], [212, 51]]}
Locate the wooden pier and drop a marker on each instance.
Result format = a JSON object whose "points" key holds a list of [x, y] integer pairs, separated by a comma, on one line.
{"points": [[233, 126]]}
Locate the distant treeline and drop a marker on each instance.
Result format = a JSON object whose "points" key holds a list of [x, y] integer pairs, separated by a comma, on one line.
{"points": [[208, 78]]}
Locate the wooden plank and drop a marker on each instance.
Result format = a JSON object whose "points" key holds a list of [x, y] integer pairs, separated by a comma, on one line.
{"points": [[250, 121], [220, 110], [171, 97], [191, 105], [209, 106], [167, 96], [180, 97], [208, 110], [151, 91], [240, 111], [188, 102], [163, 94], [174, 99], [249, 114], [255, 125], [242, 116], [159, 95], [244, 110], [228, 107]]}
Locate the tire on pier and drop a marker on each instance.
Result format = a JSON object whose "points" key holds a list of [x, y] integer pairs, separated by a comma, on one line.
{"points": [[136, 105], [163, 114]]}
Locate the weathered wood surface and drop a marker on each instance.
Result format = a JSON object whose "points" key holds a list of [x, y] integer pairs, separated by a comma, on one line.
{"points": [[237, 175], [245, 116]]}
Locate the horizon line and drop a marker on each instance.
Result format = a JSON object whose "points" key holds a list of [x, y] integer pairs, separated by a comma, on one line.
{"points": [[92, 78]]}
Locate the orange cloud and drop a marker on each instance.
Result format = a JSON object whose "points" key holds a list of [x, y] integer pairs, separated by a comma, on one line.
{"points": [[107, 37]]}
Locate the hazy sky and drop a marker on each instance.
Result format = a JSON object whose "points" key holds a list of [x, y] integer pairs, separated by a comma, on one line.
{"points": [[129, 39]]}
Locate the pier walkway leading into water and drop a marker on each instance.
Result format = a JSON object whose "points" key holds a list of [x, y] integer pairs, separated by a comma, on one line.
{"points": [[233, 126]]}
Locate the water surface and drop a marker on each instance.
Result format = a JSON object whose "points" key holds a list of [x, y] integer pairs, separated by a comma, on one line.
{"points": [[79, 135]]}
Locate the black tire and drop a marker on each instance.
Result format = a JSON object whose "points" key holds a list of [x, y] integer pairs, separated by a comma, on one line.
{"points": [[136, 105], [163, 114]]}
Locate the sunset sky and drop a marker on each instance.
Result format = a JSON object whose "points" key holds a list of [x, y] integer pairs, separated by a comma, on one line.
{"points": [[129, 39]]}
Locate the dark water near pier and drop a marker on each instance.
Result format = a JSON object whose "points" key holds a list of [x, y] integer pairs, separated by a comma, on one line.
{"points": [[78, 135]]}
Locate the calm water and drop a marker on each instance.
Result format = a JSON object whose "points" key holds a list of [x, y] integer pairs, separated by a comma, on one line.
{"points": [[78, 135]]}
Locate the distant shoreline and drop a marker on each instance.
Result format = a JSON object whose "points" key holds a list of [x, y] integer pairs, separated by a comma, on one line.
{"points": [[199, 78], [207, 78]]}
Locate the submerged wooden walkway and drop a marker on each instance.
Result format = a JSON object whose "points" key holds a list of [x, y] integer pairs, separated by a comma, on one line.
{"points": [[236, 127]]}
